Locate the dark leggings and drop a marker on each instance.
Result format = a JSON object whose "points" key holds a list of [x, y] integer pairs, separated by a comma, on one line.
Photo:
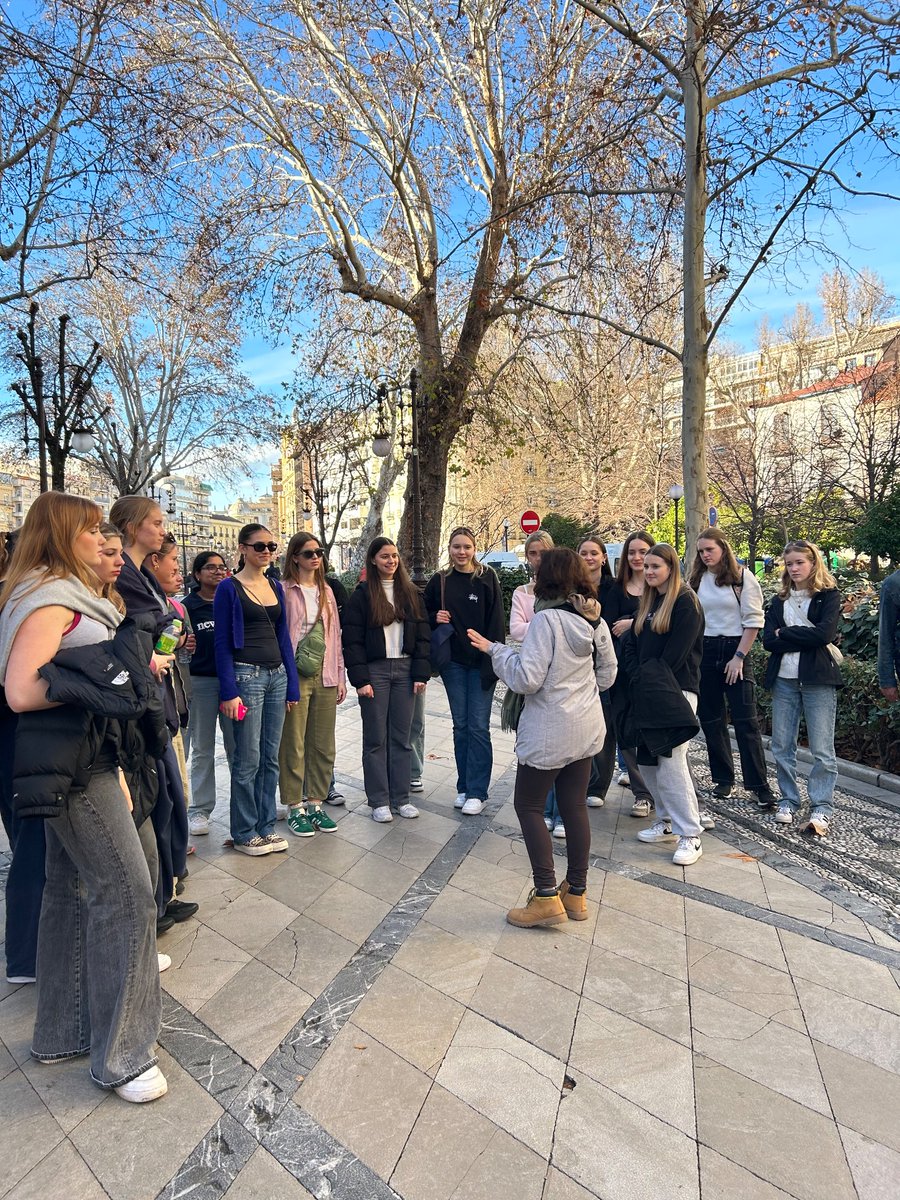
{"points": [[532, 787]]}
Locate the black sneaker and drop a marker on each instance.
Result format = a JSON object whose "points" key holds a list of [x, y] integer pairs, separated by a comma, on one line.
{"points": [[722, 791], [180, 910], [334, 797], [164, 924], [765, 799]]}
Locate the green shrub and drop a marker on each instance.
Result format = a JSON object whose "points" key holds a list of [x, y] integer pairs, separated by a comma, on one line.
{"points": [[510, 578]]}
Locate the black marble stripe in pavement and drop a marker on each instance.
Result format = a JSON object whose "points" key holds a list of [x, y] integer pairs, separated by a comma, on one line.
{"points": [[743, 908], [259, 1103]]}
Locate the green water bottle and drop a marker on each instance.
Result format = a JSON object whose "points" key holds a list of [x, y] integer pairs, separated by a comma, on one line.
{"points": [[168, 639]]}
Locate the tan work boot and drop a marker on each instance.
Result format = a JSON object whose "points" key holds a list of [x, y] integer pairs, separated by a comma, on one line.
{"points": [[575, 906], [538, 910]]}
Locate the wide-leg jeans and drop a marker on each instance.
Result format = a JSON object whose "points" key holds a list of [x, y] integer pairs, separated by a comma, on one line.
{"points": [[470, 708], [818, 705], [387, 720], [254, 773], [200, 742], [98, 974]]}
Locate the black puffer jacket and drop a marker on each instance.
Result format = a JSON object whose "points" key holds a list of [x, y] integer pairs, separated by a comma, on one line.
{"points": [[56, 748], [816, 664], [364, 642]]}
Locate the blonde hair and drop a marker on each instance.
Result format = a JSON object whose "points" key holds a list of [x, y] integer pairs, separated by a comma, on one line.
{"points": [[47, 542], [661, 620], [821, 579], [541, 538], [466, 532], [128, 513]]}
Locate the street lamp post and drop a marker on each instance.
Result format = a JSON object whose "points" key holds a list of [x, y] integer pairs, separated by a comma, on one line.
{"points": [[505, 535], [676, 491], [61, 424], [381, 447]]}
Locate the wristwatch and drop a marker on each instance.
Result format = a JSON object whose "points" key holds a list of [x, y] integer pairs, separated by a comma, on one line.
{"points": [[739, 654]]}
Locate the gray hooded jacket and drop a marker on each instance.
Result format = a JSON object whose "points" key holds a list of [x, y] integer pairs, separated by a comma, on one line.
{"points": [[562, 719]]}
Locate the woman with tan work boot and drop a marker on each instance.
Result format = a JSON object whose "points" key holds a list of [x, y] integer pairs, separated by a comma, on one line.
{"points": [[567, 655]]}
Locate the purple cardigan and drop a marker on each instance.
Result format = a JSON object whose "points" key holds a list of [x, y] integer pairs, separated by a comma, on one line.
{"points": [[229, 636]]}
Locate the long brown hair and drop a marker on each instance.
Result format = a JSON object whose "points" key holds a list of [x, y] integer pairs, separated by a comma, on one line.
{"points": [[605, 570], [407, 601], [728, 571], [291, 573], [47, 542], [662, 618], [624, 571], [478, 567], [821, 579]]}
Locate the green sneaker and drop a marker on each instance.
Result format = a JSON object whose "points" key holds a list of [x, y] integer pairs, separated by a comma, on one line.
{"points": [[321, 821], [299, 823]]}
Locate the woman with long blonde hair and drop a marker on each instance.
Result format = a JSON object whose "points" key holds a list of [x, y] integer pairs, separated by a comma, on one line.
{"points": [[97, 967], [306, 755], [803, 673], [661, 656]]}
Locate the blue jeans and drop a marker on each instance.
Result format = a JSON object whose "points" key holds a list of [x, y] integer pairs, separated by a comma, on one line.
{"points": [[470, 708], [200, 742], [98, 975], [254, 772], [818, 704], [551, 808]]}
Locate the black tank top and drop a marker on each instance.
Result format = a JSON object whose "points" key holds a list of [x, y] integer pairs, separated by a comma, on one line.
{"points": [[260, 647]]}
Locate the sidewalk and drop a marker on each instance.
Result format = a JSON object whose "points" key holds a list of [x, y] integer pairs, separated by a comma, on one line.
{"points": [[354, 1020]]}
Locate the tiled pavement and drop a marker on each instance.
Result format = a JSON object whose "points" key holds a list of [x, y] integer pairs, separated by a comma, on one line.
{"points": [[354, 1020]]}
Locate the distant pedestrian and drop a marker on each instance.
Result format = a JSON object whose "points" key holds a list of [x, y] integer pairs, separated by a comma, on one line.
{"points": [[661, 657], [592, 552], [732, 604], [466, 595], [257, 687], [386, 648], [566, 657], [801, 625]]}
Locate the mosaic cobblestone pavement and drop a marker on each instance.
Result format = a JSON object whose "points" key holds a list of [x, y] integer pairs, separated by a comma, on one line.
{"points": [[354, 1020]]}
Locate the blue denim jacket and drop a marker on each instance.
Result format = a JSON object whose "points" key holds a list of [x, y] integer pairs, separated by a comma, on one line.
{"points": [[889, 632]]}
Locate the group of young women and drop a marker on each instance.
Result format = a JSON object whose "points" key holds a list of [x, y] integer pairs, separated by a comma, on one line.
{"points": [[681, 648], [96, 788]]}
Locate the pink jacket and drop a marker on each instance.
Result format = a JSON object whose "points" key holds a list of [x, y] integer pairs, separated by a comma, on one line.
{"points": [[333, 672], [521, 614]]}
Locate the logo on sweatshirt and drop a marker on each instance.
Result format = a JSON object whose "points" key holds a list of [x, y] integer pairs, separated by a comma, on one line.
{"points": [[473, 597]]}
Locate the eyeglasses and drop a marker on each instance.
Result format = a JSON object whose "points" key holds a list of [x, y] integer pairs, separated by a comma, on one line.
{"points": [[213, 567], [311, 553], [261, 547]]}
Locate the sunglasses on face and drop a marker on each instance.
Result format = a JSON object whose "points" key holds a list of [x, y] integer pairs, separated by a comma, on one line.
{"points": [[261, 547], [311, 553]]}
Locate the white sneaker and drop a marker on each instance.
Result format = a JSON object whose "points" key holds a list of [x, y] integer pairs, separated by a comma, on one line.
{"points": [[149, 1086], [408, 810], [281, 812], [460, 800], [818, 824], [472, 807], [382, 814], [660, 831], [707, 820], [559, 831], [623, 780], [255, 847], [164, 962], [595, 801], [784, 815], [416, 785], [198, 824], [687, 851], [642, 807], [548, 821], [21, 979]]}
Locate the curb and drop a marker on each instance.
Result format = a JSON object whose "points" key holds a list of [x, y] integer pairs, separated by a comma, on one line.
{"points": [[850, 770]]}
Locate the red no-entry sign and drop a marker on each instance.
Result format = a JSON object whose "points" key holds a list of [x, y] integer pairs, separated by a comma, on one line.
{"points": [[530, 521]]}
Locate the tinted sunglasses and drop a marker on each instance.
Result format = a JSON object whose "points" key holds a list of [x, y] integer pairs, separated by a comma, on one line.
{"points": [[311, 553], [260, 547]]}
